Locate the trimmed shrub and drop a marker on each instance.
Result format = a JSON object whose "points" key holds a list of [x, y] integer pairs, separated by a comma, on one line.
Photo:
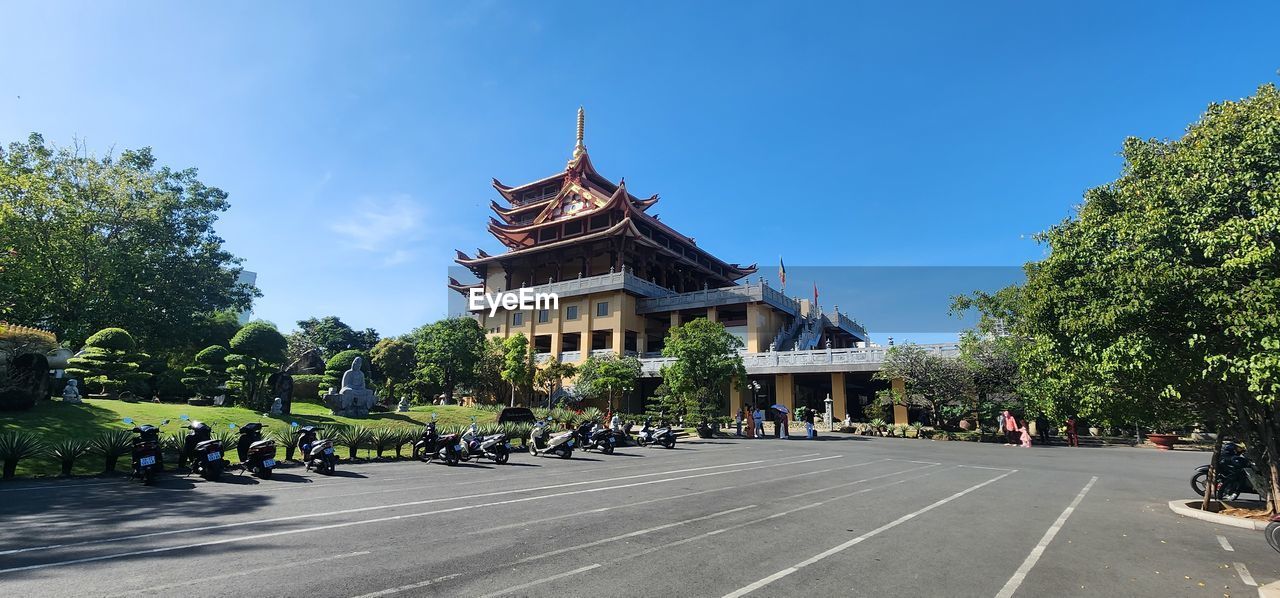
{"points": [[108, 362], [208, 373]]}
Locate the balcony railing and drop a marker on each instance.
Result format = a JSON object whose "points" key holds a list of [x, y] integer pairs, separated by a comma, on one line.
{"points": [[743, 293], [757, 362], [570, 356]]}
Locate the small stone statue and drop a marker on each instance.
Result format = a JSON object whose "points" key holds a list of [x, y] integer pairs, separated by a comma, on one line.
{"points": [[71, 394], [403, 405], [277, 406]]}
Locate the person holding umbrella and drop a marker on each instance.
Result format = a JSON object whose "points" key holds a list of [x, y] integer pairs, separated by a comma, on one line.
{"points": [[780, 420]]}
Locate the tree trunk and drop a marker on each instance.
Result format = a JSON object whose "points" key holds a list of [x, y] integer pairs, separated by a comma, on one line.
{"points": [[1211, 482], [66, 468], [10, 468]]}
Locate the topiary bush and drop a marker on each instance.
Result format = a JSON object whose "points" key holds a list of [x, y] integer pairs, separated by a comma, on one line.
{"points": [[108, 362], [208, 373]]}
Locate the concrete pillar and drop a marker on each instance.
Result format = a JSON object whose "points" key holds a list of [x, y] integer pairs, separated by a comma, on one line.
{"points": [[712, 314], [784, 390], [737, 397], [899, 411], [839, 401]]}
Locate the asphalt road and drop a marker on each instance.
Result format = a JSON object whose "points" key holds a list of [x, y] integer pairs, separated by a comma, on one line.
{"points": [[839, 517]]}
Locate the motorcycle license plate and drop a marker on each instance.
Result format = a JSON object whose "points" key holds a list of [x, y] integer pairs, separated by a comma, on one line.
{"points": [[457, 447], [570, 443], [611, 440], [214, 456], [269, 463], [146, 461], [328, 451], [507, 444]]}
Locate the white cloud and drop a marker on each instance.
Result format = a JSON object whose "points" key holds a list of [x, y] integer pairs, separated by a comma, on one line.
{"points": [[385, 226]]}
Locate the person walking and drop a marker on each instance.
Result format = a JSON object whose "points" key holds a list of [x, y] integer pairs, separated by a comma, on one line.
{"points": [[1072, 439], [808, 424], [784, 422], [1026, 436], [1042, 429], [758, 417], [750, 421], [738, 423], [1011, 435], [1000, 425]]}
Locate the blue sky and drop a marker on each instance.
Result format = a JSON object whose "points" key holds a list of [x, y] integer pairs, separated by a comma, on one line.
{"points": [[357, 140]]}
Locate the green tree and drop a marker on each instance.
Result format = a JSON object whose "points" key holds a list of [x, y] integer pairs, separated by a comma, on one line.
{"points": [[487, 381], [607, 376], [396, 359], [88, 242], [448, 352], [1157, 301], [207, 376], [550, 378], [929, 380], [257, 351], [108, 362], [332, 335], [706, 363], [517, 364]]}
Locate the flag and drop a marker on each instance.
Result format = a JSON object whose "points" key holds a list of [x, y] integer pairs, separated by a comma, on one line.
{"points": [[815, 294], [782, 272]]}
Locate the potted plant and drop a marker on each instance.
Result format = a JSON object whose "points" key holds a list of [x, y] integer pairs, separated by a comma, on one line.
{"points": [[1163, 442]]}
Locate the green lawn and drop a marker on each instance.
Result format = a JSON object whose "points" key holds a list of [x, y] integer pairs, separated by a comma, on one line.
{"points": [[52, 420]]}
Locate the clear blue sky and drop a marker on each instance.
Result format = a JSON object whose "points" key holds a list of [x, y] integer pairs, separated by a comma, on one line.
{"points": [[357, 140]]}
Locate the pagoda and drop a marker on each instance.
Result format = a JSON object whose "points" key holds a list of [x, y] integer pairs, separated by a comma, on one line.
{"points": [[577, 223]]}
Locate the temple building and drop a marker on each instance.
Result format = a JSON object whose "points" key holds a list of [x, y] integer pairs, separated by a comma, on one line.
{"points": [[624, 278]]}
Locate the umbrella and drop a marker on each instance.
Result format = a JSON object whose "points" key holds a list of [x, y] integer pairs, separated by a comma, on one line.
{"points": [[780, 408]]}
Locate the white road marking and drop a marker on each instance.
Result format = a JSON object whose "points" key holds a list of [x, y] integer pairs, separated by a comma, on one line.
{"points": [[523, 586], [985, 467], [412, 586], [55, 487], [365, 509], [639, 532], [662, 499], [377, 520], [830, 488], [1011, 586], [747, 589], [205, 578], [1225, 544], [1244, 575]]}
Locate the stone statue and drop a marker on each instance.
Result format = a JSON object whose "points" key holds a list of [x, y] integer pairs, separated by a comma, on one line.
{"points": [[282, 388], [403, 405], [277, 406], [71, 394], [354, 399]]}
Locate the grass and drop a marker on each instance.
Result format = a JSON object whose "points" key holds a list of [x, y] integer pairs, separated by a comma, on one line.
{"points": [[54, 422]]}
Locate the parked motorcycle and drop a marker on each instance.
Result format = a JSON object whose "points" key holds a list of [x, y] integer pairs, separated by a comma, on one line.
{"points": [[204, 451], [431, 445], [542, 441], [662, 435], [257, 456], [1273, 532], [596, 437], [1233, 474], [493, 447], [317, 452], [147, 459]]}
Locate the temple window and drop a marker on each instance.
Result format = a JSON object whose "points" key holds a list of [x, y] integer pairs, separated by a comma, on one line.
{"points": [[571, 312], [602, 309], [544, 316], [517, 318]]}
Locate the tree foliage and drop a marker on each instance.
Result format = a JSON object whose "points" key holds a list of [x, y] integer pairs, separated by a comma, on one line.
{"points": [[606, 376], [108, 362], [929, 380], [88, 242], [207, 376], [550, 378], [396, 360], [517, 364], [257, 351], [706, 364], [448, 353]]}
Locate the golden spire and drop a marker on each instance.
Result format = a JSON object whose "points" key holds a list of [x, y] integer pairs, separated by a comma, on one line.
{"points": [[578, 148]]}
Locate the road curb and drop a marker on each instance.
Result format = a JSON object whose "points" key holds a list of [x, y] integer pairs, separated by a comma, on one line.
{"points": [[1181, 507]]}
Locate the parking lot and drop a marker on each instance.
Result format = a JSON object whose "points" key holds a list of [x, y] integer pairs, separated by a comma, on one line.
{"points": [[844, 516]]}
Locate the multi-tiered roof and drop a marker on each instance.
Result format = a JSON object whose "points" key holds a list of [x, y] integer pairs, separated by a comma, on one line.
{"points": [[579, 206]]}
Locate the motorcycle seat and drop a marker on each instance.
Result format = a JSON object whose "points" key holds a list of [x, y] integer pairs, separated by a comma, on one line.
{"points": [[205, 444], [262, 443]]}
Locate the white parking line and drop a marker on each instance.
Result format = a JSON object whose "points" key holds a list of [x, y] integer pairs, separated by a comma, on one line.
{"points": [[1225, 544], [747, 589], [539, 582], [412, 586], [371, 508], [1011, 586], [237, 573], [377, 520], [1244, 575], [639, 532]]}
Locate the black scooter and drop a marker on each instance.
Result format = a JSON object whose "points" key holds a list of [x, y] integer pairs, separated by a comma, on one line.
{"points": [[257, 456], [662, 435], [596, 437], [317, 452], [432, 445], [1233, 475], [204, 451], [147, 459]]}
